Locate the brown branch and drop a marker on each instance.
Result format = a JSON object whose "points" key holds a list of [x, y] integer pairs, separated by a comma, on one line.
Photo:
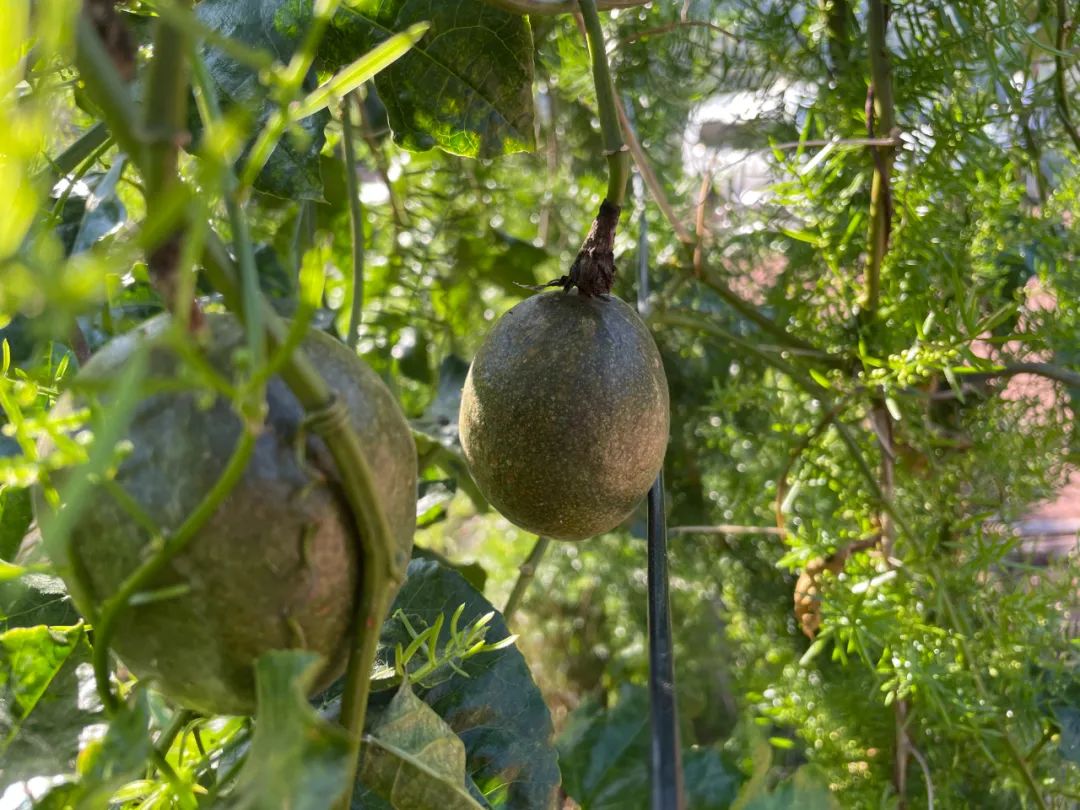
{"points": [[526, 574], [709, 277], [382, 165], [837, 16], [648, 175], [674, 26], [1048, 370], [879, 105], [114, 35], [827, 419], [880, 108], [699, 223], [545, 7], [1064, 34]]}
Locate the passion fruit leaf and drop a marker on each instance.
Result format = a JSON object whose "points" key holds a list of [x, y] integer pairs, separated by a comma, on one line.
{"points": [[117, 758], [46, 700], [473, 572], [440, 421], [16, 513], [497, 710], [413, 759], [465, 88], [502, 259], [436, 431], [804, 790], [92, 210], [35, 599], [1068, 718], [602, 754], [297, 759], [292, 172], [434, 496]]}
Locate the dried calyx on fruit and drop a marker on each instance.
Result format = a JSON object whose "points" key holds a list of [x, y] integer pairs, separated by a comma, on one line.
{"points": [[564, 414], [276, 566]]}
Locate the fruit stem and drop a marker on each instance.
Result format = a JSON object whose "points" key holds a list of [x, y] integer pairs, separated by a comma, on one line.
{"points": [[593, 271], [615, 150], [525, 577]]}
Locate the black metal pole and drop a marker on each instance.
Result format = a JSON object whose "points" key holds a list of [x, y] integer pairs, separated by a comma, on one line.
{"points": [[666, 757]]}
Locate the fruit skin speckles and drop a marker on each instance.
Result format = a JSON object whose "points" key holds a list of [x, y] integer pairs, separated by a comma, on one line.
{"points": [[565, 414], [276, 566]]}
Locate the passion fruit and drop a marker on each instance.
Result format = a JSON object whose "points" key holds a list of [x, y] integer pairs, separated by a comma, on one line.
{"points": [[564, 414], [276, 567]]}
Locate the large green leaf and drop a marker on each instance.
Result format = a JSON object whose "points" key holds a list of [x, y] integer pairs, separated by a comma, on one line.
{"points": [[497, 710], [292, 171], [119, 757], [16, 515], [297, 759], [604, 757], [413, 759], [495, 707], [805, 790], [91, 210], [466, 88], [46, 699], [440, 420]]}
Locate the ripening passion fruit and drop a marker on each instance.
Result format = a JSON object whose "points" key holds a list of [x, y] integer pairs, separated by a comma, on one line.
{"points": [[276, 566], [564, 414]]}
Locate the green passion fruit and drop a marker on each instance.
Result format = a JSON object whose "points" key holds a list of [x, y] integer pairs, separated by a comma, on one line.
{"points": [[276, 566], [564, 414]]}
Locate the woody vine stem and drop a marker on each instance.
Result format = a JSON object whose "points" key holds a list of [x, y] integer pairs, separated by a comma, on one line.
{"points": [[382, 564]]}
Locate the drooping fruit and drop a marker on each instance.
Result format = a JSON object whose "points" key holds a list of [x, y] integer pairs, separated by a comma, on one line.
{"points": [[564, 414], [276, 567]]}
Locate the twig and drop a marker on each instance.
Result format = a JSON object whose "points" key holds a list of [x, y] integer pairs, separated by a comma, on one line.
{"points": [[925, 767], [544, 7], [615, 148], [796, 453], [164, 129], [837, 17], [381, 165], [113, 34], [1048, 370], [674, 26], [727, 528], [805, 382], [879, 105], [699, 223], [1017, 757], [356, 221], [83, 147], [527, 572], [713, 281], [1064, 33], [709, 277], [180, 719], [652, 182]]}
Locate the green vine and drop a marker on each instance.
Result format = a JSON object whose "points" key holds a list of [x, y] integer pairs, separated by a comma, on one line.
{"points": [[382, 562]]}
